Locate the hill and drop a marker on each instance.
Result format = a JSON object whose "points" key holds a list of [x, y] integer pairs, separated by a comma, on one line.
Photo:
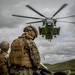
{"points": [[67, 65]]}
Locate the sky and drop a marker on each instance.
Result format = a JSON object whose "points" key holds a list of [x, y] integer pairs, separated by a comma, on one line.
{"points": [[60, 49]]}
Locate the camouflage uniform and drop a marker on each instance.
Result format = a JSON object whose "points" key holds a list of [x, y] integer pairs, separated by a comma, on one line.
{"points": [[4, 46], [30, 33]]}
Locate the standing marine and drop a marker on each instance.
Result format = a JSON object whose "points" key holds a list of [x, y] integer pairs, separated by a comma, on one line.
{"points": [[24, 57], [4, 46]]}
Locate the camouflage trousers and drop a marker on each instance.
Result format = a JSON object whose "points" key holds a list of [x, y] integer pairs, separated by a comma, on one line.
{"points": [[21, 71], [3, 74]]}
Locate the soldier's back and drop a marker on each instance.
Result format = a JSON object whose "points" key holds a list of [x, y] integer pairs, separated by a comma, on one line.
{"points": [[3, 64]]}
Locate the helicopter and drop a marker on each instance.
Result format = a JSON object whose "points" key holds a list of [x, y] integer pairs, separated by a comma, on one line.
{"points": [[48, 29]]}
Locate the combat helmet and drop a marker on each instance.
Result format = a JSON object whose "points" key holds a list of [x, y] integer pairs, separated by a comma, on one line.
{"points": [[34, 29], [4, 45]]}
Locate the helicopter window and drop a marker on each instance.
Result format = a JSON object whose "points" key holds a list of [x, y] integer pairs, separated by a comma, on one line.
{"points": [[49, 22]]}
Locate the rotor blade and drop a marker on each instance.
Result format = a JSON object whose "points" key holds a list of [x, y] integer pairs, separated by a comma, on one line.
{"points": [[26, 17], [65, 17], [64, 5], [66, 22], [35, 11], [34, 22]]}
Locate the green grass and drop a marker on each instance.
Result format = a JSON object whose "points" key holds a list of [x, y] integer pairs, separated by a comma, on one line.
{"points": [[72, 73], [68, 65]]}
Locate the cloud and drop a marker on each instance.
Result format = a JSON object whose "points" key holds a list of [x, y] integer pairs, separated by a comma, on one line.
{"points": [[9, 34], [6, 18], [60, 48], [58, 52], [52, 59]]}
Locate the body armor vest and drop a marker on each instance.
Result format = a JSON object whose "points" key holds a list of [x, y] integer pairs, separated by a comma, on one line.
{"points": [[19, 54]]}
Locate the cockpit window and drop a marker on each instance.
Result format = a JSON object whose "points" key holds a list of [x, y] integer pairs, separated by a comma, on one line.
{"points": [[49, 22]]}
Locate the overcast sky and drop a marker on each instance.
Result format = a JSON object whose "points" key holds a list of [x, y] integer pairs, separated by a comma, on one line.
{"points": [[59, 49]]}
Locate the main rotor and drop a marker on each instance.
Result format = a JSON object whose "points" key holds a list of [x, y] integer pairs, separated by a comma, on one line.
{"points": [[44, 18]]}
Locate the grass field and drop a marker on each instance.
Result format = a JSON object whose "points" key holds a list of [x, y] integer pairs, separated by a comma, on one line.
{"points": [[68, 65], [72, 73]]}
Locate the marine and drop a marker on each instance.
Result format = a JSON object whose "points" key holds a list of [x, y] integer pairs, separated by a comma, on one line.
{"points": [[4, 69], [24, 56]]}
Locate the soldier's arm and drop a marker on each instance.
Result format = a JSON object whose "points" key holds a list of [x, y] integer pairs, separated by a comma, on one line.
{"points": [[34, 54]]}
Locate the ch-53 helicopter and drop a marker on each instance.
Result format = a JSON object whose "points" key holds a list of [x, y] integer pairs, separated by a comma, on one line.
{"points": [[48, 29]]}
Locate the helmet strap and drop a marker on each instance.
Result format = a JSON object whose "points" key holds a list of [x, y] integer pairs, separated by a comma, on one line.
{"points": [[28, 36]]}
